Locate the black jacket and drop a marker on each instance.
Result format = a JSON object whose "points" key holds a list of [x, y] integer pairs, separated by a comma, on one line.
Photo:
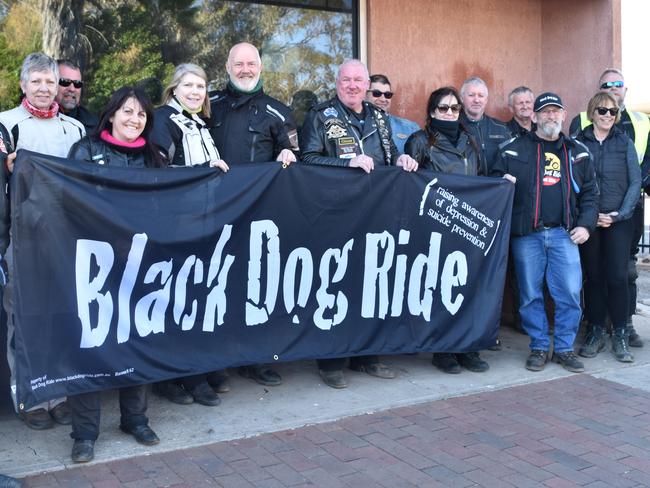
{"points": [[617, 171], [94, 150], [88, 119], [445, 157], [522, 158], [517, 130], [250, 128], [332, 136], [5, 213], [489, 133]]}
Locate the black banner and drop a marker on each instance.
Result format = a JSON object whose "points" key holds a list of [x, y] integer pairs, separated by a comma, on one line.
{"points": [[127, 276]]}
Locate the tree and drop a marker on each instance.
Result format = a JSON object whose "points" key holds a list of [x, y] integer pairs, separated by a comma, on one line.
{"points": [[62, 25]]}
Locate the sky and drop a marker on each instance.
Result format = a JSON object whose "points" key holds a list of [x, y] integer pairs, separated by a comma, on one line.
{"points": [[636, 65]]}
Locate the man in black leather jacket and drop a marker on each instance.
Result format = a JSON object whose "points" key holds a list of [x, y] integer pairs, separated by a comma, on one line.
{"points": [[247, 125], [348, 131]]}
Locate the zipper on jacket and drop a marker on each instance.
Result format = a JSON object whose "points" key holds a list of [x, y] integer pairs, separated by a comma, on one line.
{"points": [[537, 187]]}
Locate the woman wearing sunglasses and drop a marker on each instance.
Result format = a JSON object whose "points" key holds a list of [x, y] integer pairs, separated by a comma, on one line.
{"points": [[605, 255], [444, 145]]}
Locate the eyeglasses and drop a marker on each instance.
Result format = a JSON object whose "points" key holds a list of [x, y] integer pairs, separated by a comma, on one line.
{"points": [[455, 108], [65, 82], [378, 93], [612, 84], [603, 110]]}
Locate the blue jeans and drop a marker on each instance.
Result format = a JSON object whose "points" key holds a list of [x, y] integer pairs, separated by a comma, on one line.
{"points": [[548, 254]]}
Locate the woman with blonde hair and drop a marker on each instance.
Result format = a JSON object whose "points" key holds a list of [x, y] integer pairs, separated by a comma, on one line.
{"points": [[181, 135]]}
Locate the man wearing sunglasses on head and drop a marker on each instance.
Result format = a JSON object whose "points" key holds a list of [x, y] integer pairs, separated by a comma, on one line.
{"points": [[487, 131], [69, 94], [637, 126], [380, 95]]}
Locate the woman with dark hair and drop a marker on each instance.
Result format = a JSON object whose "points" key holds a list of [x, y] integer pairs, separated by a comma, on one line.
{"points": [[605, 255], [444, 145], [180, 132], [122, 139]]}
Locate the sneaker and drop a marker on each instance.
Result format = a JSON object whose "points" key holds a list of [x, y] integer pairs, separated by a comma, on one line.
{"points": [[569, 361], [594, 343], [620, 346], [473, 362], [173, 392], [333, 379], [203, 394], [446, 362], [261, 374], [83, 451], [380, 370], [536, 360]]}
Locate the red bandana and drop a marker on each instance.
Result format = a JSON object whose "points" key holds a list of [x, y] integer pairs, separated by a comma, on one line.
{"points": [[41, 114]]}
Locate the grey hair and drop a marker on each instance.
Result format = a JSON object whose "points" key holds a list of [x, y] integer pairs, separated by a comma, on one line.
{"points": [[518, 91], [180, 71], [609, 71], [38, 62], [474, 80], [352, 62]]}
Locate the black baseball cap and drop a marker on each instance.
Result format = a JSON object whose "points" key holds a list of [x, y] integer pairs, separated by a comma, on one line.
{"points": [[546, 99]]}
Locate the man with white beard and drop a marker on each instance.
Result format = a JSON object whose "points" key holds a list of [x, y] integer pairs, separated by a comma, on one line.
{"points": [[554, 210], [249, 126]]}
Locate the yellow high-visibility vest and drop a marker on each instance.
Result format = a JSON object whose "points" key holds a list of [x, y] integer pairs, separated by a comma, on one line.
{"points": [[641, 125]]}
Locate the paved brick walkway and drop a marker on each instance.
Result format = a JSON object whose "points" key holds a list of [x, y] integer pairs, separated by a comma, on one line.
{"points": [[576, 431]]}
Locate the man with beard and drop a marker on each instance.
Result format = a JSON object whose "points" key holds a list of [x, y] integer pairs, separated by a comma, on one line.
{"points": [[249, 126], [348, 131], [555, 208], [520, 103], [69, 95]]}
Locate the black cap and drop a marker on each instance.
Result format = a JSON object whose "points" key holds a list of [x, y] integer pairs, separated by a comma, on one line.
{"points": [[546, 99]]}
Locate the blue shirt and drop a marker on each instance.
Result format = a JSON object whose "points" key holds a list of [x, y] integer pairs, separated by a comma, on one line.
{"points": [[401, 129]]}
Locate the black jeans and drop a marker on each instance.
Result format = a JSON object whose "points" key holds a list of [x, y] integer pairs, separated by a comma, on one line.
{"points": [[86, 410], [604, 257]]}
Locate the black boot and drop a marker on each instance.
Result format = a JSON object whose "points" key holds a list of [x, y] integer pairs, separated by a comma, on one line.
{"points": [[633, 339], [620, 346], [594, 342]]}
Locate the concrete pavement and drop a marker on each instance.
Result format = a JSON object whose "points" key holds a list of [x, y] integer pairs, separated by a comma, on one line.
{"points": [[250, 410]]}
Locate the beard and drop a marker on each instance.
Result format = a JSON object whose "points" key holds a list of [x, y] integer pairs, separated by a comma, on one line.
{"points": [[550, 129], [245, 84]]}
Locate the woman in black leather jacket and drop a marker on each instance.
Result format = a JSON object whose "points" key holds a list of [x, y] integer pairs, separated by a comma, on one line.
{"points": [[122, 135], [444, 145], [605, 255], [121, 140]]}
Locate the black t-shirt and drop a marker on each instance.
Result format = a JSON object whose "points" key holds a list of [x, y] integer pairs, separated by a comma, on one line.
{"points": [[552, 174]]}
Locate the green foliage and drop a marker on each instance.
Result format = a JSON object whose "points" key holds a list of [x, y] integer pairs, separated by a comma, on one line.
{"points": [[20, 34]]}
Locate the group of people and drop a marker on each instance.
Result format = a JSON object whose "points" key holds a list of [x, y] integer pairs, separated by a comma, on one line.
{"points": [[575, 197]]}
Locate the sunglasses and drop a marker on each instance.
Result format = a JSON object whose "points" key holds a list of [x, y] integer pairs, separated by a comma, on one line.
{"points": [[455, 108], [65, 82], [603, 110], [612, 84], [377, 93]]}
